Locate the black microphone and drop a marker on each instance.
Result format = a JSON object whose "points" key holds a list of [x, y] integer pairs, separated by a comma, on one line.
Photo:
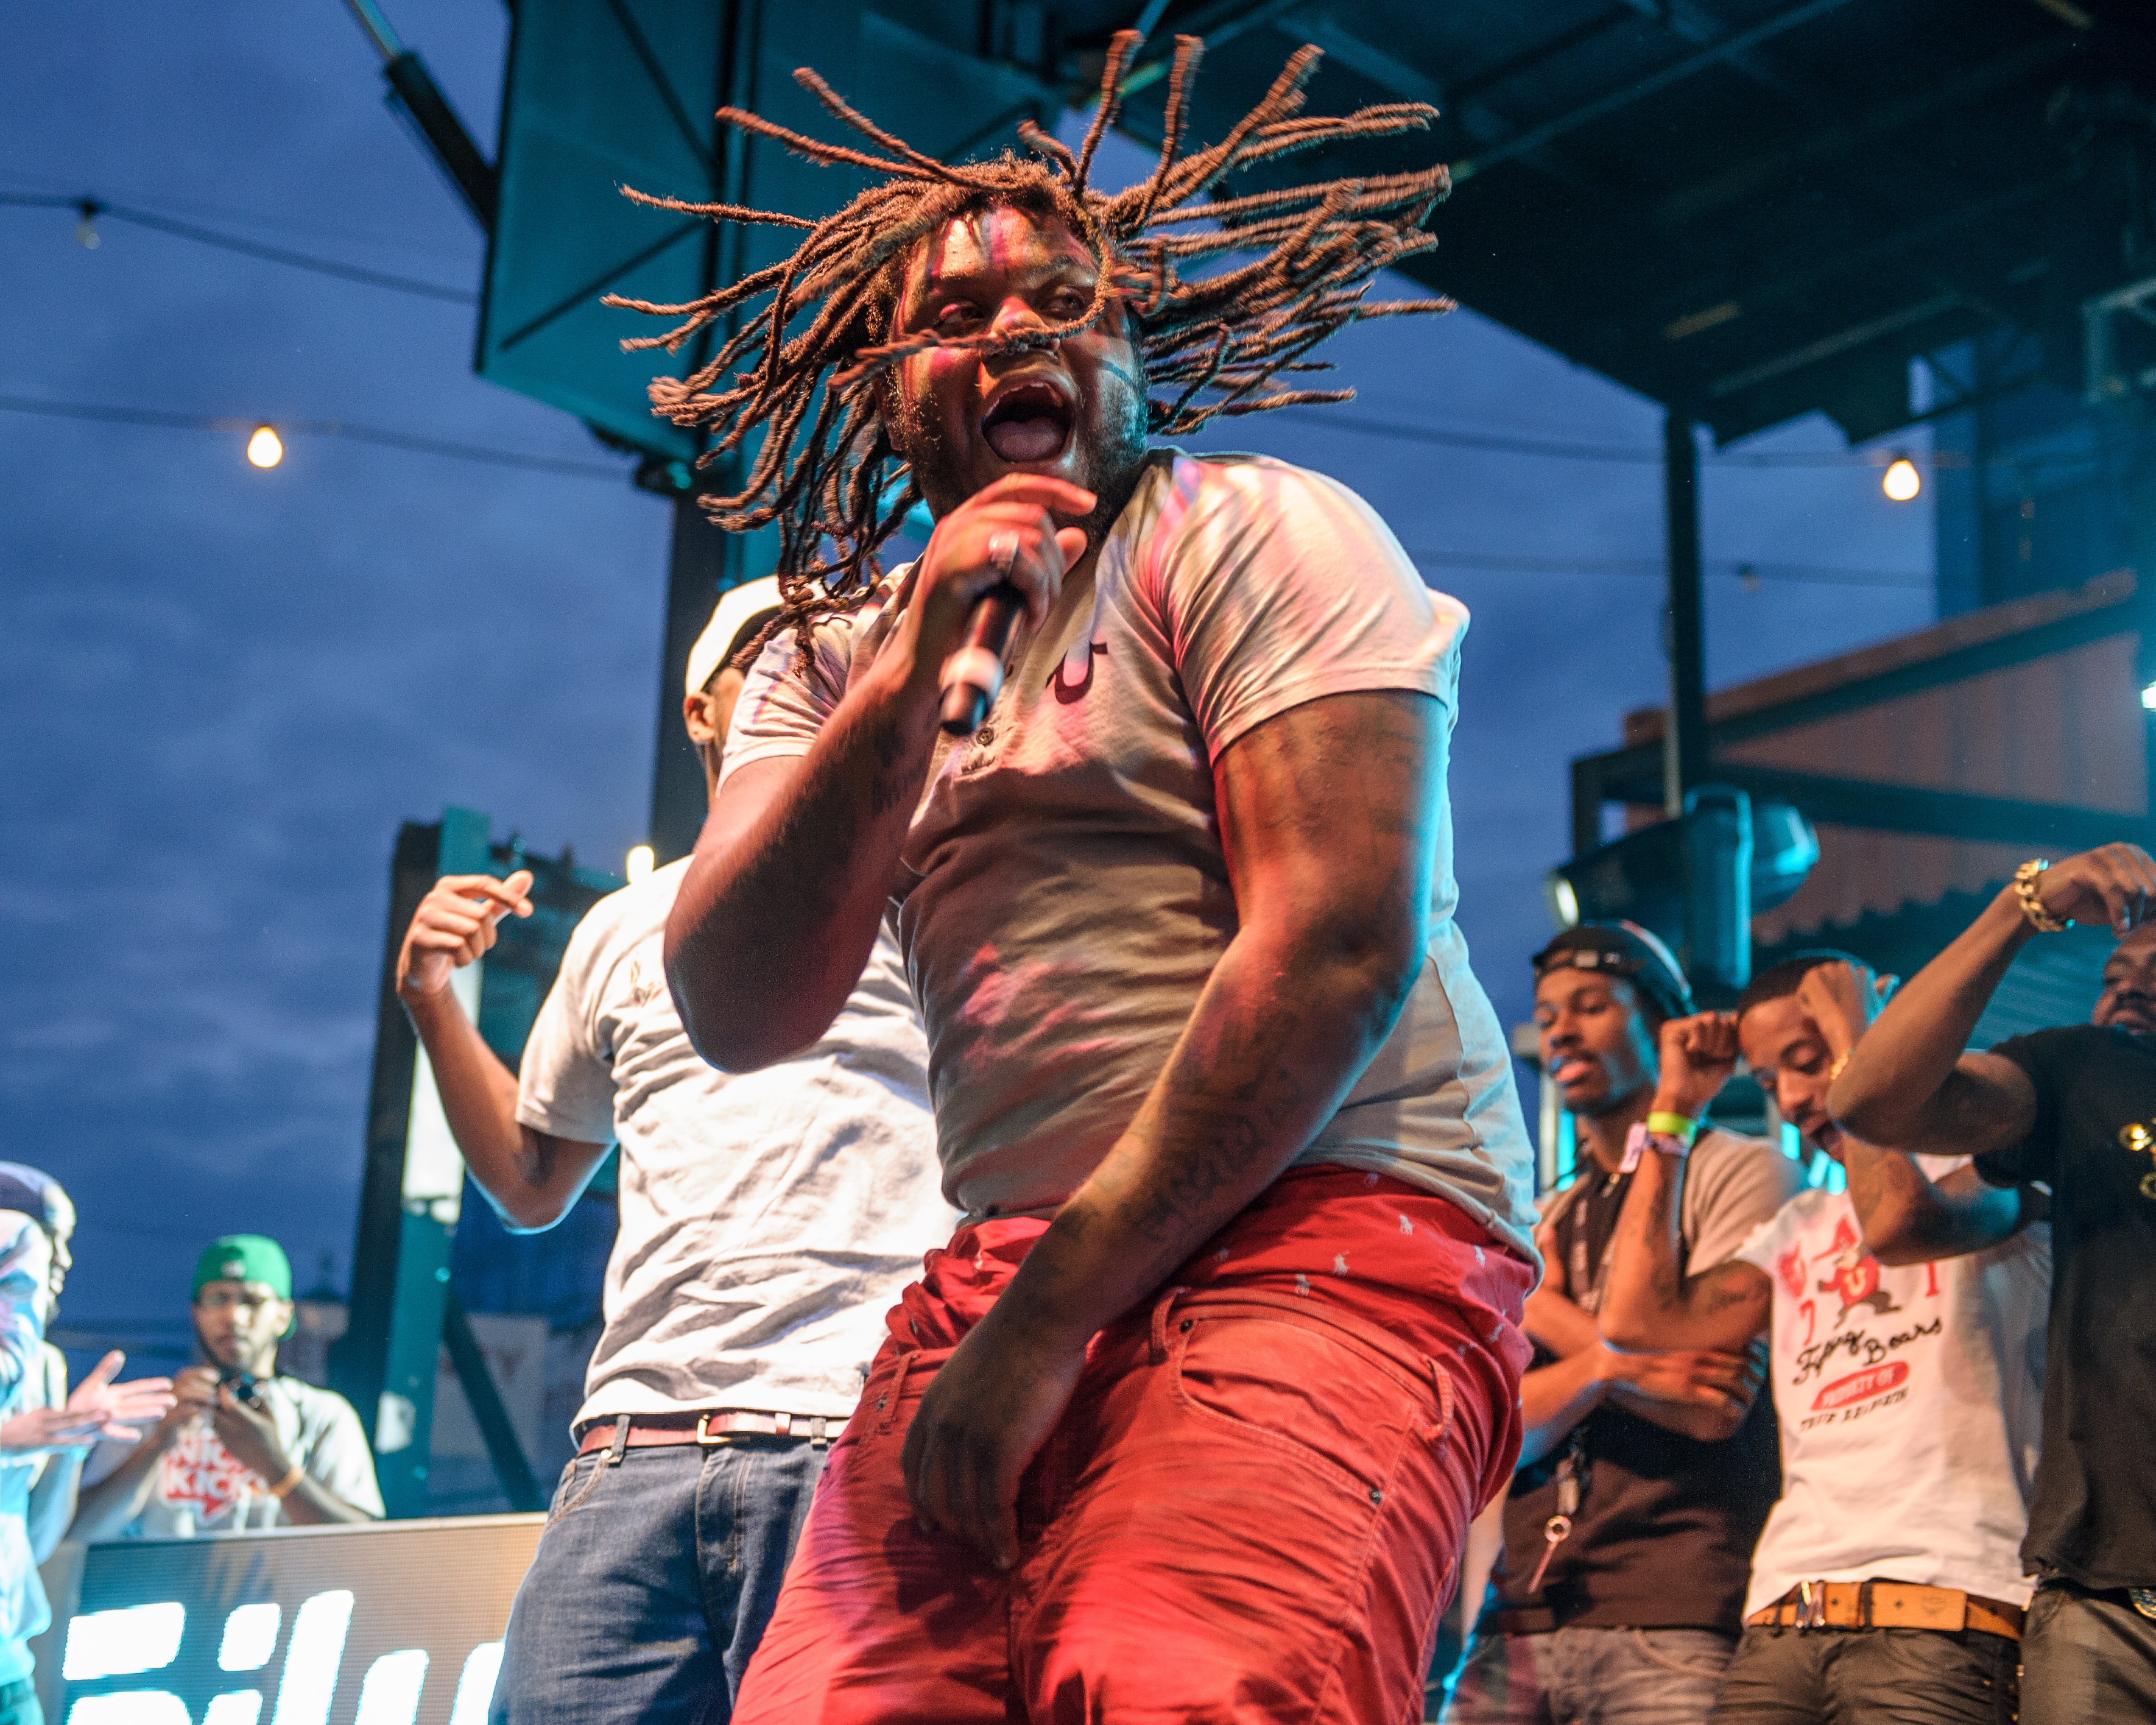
{"points": [[973, 674]]}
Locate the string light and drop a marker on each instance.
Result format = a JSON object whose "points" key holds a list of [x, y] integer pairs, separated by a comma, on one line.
{"points": [[265, 449], [1902, 481]]}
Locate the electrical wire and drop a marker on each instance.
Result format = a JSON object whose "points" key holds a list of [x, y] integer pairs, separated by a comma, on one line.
{"points": [[312, 427], [1733, 568], [93, 207], [1627, 454], [1491, 562]]}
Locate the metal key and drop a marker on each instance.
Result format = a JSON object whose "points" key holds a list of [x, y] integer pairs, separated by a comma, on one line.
{"points": [[1558, 1527], [1554, 1530]]}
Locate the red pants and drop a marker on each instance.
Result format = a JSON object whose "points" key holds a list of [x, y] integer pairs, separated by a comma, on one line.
{"points": [[1253, 1508]]}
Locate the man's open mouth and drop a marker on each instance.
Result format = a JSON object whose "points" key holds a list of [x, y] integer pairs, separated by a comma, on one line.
{"points": [[1028, 422]]}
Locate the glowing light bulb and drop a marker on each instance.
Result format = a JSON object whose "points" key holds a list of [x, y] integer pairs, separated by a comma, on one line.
{"points": [[641, 857], [265, 449], [2149, 697], [1902, 480]]}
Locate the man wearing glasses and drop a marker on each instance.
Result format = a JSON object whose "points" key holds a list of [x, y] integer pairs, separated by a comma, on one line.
{"points": [[243, 1448]]}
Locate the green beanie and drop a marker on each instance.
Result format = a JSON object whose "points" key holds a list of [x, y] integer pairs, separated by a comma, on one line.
{"points": [[244, 1257]]}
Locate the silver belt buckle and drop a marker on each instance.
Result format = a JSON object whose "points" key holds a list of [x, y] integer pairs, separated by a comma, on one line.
{"points": [[1811, 1604]]}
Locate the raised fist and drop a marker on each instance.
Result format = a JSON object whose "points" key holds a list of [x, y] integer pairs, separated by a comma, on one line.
{"points": [[1698, 1054]]}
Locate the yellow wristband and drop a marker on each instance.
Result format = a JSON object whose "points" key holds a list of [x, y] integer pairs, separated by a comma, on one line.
{"points": [[1673, 1125], [290, 1483]]}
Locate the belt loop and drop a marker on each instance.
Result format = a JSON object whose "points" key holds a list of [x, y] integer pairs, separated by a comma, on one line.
{"points": [[619, 1446], [784, 1423], [1447, 1403], [1864, 1604], [887, 1403], [1161, 1308], [1811, 1604], [817, 1440]]}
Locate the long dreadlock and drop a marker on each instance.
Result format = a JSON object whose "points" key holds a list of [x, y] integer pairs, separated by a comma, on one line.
{"points": [[827, 471]]}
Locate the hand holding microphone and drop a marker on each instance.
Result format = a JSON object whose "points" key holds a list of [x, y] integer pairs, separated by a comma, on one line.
{"points": [[973, 675], [1002, 545]]}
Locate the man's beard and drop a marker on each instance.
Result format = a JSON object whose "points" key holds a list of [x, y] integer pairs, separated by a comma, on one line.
{"points": [[1115, 457]]}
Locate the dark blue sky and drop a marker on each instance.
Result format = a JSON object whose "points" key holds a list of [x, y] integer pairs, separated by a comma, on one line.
{"points": [[221, 689]]}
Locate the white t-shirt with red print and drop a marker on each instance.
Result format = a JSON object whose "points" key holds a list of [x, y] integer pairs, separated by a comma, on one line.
{"points": [[1910, 1399]]}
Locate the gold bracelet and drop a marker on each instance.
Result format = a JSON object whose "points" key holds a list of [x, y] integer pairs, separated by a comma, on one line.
{"points": [[2032, 907], [1841, 1065], [290, 1483]]}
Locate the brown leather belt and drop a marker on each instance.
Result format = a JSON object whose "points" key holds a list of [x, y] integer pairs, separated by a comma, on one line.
{"points": [[1886, 1604], [646, 1431]]}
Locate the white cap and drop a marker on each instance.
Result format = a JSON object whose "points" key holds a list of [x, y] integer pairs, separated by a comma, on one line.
{"points": [[738, 607]]}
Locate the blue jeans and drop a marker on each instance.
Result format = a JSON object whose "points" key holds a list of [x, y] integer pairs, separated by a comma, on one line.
{"points": [[1590, 1677], [653, 1583]]}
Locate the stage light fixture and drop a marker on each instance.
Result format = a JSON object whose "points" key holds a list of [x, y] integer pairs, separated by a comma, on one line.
{"points": [[639, 866], [1902, 481], [265, 449], [1741, 856], [2149, 697]]}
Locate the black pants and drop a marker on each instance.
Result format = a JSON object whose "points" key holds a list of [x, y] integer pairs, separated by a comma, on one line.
{"points": [[1874, 1676], [2088, 1656]]}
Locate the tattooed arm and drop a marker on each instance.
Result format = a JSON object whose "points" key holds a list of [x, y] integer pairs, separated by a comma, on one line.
{"points": [[1651, 1303], [780, 907], [1329, 815]]}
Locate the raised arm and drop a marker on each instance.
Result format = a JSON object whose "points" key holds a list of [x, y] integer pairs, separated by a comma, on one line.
{"points": [[1910, 1086], [1650, 1302], [531, 1178], [781, 904], [1906, 1217], [1328, 816]]}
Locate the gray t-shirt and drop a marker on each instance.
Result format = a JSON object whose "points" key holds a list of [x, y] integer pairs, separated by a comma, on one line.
{"points": [[201, 1488], [1064, 894], [768, 1219]]}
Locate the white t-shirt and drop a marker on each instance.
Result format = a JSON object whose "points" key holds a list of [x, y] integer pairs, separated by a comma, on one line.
{"points": [[768, 1219], [1910, 1399], [201, 1488], [1064, 894]]}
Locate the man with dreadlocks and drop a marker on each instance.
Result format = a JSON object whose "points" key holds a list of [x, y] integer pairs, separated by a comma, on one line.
{"points": [[1189, 1421]]}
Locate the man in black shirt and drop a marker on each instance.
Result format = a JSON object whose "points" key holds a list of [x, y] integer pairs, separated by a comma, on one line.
{"points": [[1658, 1461], [2074, 1108]]}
